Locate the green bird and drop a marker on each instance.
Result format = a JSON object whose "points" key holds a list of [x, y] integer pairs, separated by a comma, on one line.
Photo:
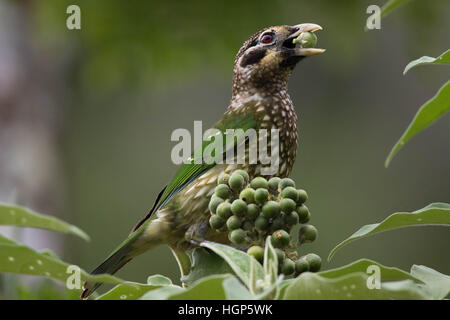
{"points": [[180, 215]]}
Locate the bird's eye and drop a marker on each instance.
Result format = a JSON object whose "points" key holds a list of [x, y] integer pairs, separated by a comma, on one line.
{"points": [[267, 38]]}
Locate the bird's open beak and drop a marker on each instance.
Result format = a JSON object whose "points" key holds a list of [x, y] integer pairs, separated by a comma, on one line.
{"points": [[303, 52]]}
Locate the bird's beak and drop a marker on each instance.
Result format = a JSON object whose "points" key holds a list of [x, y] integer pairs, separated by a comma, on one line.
{"points": [[304, 52]]}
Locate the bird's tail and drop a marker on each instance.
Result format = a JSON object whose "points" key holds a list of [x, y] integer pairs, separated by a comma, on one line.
{"points": [[116, 260]]}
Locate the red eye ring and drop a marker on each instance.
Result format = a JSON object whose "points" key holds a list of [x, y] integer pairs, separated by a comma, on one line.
{"points": [[267, 38]]}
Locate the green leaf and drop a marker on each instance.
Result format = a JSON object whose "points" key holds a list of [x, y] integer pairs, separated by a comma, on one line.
{"points": [[428, 113], [436, 283], [22, 217], [434, 214], [391, 5], [162, 293], [311, 286], [238, 261], [16, 258], [442, 59], [133, 290], [386, 273], [210, 288], [235, 290], [205, 263], [158, 280]]}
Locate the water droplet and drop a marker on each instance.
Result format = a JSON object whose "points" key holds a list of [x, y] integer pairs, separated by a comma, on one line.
{"points": [[31, 267], [12, 212], [11, 259], [353, 287], [123, 296], [345, 288], [47, 273], [39, 262], [23, 220]]}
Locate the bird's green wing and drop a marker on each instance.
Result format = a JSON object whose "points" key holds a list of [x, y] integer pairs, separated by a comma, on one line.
{"points": [[244, 119]]}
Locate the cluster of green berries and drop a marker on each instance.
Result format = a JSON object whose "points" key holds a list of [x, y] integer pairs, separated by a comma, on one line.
{"points": [[250, 211]]}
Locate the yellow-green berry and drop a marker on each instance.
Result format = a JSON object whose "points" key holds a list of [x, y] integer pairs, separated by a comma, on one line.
{"points": [[273, 184], [247, 195], [223, 178], [306, 40], [216, 222], [214, 203], [288, 267], [239, 208], [302, 196], [287, 205], [236, 182], [289, 193], [303, 214], [261, 223], [234, 222], [244, 174], [291, 219], [224, 210], [314, 261], [271, 209], [237, 236], [307, 233], [256, 252], [222, 191], [261, 195], [280, 239], [259, 182], [287, 182], [252, 211], [301, 265]]}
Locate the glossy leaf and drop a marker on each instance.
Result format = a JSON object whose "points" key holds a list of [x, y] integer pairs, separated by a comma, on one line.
{"points": [[22, 217], [238, 261], [431, 111], [353, 286], [433, 214], [442, 59], [209, 288], [436, 283]]}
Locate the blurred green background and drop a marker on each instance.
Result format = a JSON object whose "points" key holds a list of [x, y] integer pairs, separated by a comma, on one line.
{"points": [[93, 110]]}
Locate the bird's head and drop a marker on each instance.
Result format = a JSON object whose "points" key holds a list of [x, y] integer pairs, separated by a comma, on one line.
{"points": [[266, 60]]}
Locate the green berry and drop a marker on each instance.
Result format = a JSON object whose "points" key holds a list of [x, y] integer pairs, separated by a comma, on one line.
{"points": [[306, 40], [261, 195], [216, 222], [291, 219], [252, 211], [271, 209], [214, 203], [239, 208], [247, 195], [256, 252], [259, 182], [277, 223], [222, 191], [287, 205], [223, 178], [301, 265], [261, 223], [224, 210], [314, 261], [247, 225], [287, 182], [303, 214], [289, 193], [244, 174], [273, 184], [280, 239], [236, 182], [237, 236], [288, 267], [307, 233], [233, 223], [280, 255], [302, 196]]}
